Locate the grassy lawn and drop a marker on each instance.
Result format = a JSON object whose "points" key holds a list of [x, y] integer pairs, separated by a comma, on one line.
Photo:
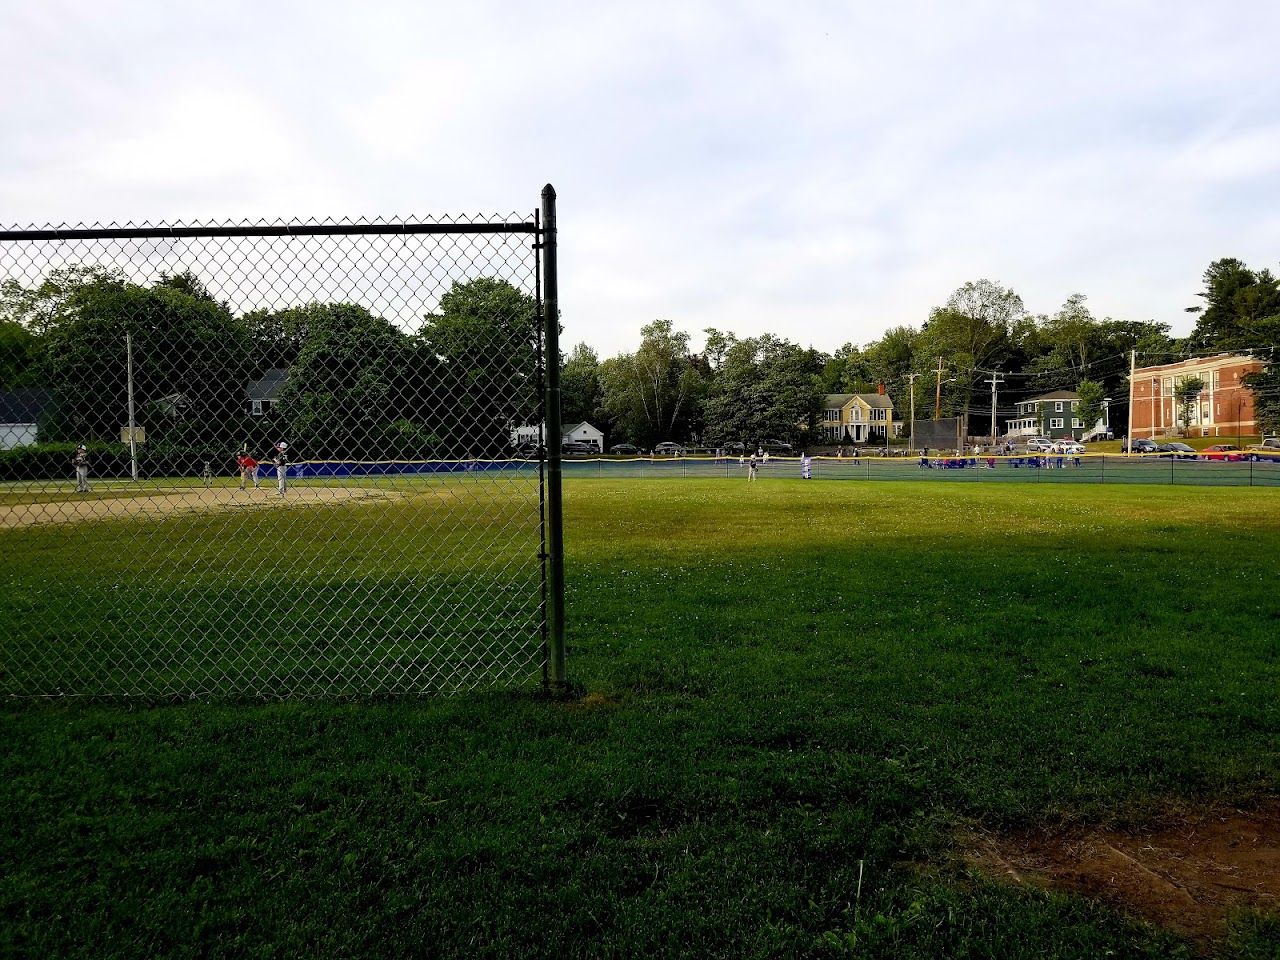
{"points": [[793, 695]]}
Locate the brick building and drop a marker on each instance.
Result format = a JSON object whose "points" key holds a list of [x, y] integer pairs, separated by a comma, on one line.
{"points": [[1224, 407]]}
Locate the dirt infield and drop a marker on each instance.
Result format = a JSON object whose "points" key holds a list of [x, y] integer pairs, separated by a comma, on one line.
{"points": [[1188, 876], [113, 504]]}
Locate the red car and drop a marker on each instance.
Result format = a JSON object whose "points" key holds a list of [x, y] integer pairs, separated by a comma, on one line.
{"points": [[1222, 451]]}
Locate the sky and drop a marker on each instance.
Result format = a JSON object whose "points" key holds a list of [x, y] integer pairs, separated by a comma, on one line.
{"points": [[821, 171]]}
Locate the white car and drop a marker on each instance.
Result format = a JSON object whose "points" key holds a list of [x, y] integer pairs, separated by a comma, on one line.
{"points": [[1039, 444], [1070, 447]]}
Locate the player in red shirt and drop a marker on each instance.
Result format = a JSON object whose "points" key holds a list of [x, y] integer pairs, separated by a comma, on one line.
{"points": [[248, 470]]}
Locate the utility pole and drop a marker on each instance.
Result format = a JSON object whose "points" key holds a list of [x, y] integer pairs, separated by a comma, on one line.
{"points": [[993, 380], [911, 379], [133, 426], [937, 400]]}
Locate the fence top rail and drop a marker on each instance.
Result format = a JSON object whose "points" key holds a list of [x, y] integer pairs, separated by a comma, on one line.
{"points": [[163, 231]]}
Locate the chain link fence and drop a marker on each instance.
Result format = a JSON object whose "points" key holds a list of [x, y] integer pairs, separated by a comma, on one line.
{"points": [[272, 460]]}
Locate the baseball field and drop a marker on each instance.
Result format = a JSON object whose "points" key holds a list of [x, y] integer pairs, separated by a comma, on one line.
{"points": [[890, 719]]}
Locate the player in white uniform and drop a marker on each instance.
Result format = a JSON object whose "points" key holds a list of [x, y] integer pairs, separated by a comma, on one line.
{"points": [[81, 462]]}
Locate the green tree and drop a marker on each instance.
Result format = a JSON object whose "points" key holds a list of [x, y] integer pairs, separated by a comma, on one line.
{"points": [[1187, 392], [19, 355], [1266, 393], [1090, 407], [972, 332], [190, 359], [485, 337], [581, 396], [654, 394], [766, 388], [1241, 308], [348, 395]]}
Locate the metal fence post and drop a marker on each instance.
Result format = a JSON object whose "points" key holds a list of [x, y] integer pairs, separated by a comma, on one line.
{"points": [[556, 677]]}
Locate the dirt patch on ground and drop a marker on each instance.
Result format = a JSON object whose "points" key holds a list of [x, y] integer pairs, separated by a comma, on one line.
{"points": [[1187, 877], [158, 503]]}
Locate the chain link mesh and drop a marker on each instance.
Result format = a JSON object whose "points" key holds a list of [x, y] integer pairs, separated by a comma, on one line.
{"points": [[270, 460]]}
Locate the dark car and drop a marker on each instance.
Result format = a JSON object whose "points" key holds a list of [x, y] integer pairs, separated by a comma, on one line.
{"points": [[1143, 445], [1178, 451], [734, 449], [526, 449], [777, 446], [625, 450], [575, 447], [668, 449]]}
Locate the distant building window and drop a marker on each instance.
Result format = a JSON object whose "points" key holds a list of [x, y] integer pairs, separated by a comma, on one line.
{"points": [[1074, 404], [1076, 423], [833, 416], [257, 408], [1057, 408], [1056, 422]]}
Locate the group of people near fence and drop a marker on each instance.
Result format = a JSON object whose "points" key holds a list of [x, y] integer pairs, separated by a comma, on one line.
{"points": [[246, 463]]}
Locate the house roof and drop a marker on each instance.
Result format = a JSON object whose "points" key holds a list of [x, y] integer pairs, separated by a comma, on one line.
{"points": [[569, 428], [24, 405], [1056, 395], [269, 385], [879, 400]]}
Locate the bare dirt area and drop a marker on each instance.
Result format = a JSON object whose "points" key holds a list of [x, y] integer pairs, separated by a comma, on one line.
{"points": [[1188, 877], [167, 502]]}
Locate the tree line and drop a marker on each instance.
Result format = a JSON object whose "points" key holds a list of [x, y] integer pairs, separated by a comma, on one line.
{"points": [[362, 386], [359, 385], [752, 388]]}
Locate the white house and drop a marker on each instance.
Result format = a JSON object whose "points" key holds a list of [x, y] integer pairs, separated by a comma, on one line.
{"points": [[580, 432], [584, 433], [20, 412]]}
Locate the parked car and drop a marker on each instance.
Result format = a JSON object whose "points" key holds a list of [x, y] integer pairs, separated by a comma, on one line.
{"points": [[1038, 444], [735, 449], [1179, 451], [1259, 451], [1143, 445], [576, 447], [668, 449], [1222, 452], [625, 450], [777, 446], [526, 449]]}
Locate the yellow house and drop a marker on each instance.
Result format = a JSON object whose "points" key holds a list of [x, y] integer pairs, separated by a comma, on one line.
{"points": [[858, 418]]}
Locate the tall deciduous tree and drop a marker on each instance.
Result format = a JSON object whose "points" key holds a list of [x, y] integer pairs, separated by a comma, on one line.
{"points": [[580, 392], [485, 336], [766, 388], [654, 394], [1090, 407], [972, 331], [1187, 392]]}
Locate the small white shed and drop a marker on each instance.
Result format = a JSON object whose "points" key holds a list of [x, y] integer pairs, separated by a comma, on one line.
{"points": [[584, 433]]}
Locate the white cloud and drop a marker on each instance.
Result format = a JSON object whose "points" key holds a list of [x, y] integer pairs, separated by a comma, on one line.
{"points": [[820, 170]]}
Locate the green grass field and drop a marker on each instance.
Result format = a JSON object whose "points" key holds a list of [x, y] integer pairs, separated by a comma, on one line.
{"points": [[793, 698]]}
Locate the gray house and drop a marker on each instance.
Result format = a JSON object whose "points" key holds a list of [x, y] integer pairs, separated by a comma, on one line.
{"points": [[20, 413], [1053, 415], [261, 395]]}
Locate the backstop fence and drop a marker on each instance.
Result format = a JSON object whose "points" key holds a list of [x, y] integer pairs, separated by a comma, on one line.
{"points": [[243, 460]]}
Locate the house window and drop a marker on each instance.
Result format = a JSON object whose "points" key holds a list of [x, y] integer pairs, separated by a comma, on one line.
{"points": [[1074, 404], [257, 408], [1214, 381], [1055, 423], [833, 416], [1057, 406], [1076, 423]]}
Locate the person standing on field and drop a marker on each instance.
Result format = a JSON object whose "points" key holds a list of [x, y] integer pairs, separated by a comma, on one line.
{"points": [[281, 461], [806, 467], [248, 470], [81, 463], [751, 469]]}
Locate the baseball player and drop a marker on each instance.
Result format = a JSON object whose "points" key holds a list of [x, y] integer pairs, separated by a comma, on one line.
{"points": [[281, 461], [81, 463], [806, 467], [248, 470]]}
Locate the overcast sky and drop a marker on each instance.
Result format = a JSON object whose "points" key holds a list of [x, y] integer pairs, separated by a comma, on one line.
{"points": [[818, 170]]}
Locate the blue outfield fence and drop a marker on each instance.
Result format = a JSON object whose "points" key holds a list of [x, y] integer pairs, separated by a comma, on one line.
{"points": [[1251, 470]]}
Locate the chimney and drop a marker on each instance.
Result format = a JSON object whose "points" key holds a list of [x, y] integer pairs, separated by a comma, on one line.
{"points": [[880, 388]]}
